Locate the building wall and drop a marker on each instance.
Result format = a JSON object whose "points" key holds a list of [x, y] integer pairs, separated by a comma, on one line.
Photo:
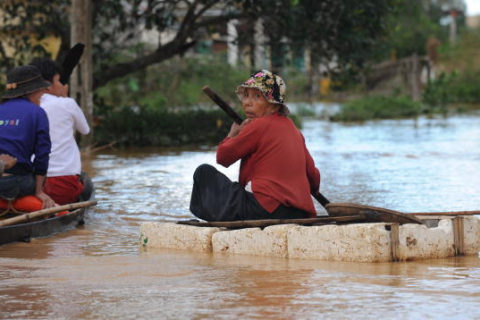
{"points": [[51, 44], [473, 22]]}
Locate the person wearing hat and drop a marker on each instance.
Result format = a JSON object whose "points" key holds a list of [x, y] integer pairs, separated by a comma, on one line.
{"points": [[277, 173], [63, 183], [24, 132]]}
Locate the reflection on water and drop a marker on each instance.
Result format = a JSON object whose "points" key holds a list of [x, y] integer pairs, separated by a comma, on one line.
{"points": [[181, 285], [98, 271], [405, 165]]}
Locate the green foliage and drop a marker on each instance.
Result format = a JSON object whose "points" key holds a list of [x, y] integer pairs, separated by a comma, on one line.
{"points": [[412, 25], [341, 28], [165, 106], [174, 84], [23, 21], [437, 94], [378, 107], [297, 84], [461, 82], [304, 110], [463, 56], [466, 87], [296, 120], [344, 30], [453, 87], [131, 127]]}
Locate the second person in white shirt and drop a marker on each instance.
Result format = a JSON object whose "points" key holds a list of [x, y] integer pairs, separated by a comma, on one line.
{"points": [[63, 183]]}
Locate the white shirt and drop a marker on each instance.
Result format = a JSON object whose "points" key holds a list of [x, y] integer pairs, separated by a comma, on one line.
{"points": [[64, 116]]}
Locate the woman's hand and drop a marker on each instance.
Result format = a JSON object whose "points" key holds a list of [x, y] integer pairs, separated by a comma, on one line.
{"points": [[47, 201], [8, 161], [236, 128]]}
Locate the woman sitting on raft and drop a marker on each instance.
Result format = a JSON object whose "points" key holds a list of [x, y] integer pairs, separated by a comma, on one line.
{"points": [[277, 173]]}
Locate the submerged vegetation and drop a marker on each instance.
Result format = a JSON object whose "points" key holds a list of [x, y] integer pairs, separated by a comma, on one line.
{"points": [[456, 87], [378, 107], [129, 127], [449, 91]]}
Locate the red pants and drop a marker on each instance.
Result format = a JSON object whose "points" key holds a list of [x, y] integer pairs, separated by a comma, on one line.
{"points": [[63, 189]]}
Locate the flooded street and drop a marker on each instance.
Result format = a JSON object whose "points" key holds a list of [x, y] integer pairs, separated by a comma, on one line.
{"points": [[98, 271]]}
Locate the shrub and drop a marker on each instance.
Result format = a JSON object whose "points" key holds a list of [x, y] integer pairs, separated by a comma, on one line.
{"points": [[466, 88], [436, 94], [378, 107], [175, 83], [452, 88], [132, 127]]}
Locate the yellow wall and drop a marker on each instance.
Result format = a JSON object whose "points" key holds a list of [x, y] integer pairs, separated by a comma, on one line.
{"points": [[51, 44]]}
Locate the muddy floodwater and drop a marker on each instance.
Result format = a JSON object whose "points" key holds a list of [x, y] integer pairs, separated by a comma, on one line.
{"points": [[99, 271]]}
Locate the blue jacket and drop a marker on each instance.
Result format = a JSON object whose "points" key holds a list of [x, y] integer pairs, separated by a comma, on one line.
{"points": [[24, 131]]}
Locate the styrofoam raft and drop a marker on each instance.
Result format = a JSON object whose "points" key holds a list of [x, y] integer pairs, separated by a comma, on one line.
{"points": [[366, 242]]}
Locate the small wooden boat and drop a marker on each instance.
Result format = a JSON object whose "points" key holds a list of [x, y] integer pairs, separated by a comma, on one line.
{"points": [[46, 227]]}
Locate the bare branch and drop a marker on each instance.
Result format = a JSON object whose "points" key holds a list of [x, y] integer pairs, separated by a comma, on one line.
{"points": [[204, 9], [187, 21], [161, 54]]}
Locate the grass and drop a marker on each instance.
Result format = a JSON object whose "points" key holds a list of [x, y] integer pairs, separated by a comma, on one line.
{"points": [[378, 107]]}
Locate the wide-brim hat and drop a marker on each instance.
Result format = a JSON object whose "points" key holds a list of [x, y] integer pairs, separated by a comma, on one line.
{"points": [[271, 85], [23, 80]]}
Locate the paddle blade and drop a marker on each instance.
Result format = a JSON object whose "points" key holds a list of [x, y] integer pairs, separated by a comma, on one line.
{"points": [[373, 214], [71, 61]]}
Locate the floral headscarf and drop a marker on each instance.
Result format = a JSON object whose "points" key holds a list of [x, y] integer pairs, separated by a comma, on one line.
{"points": [[272, 86]]}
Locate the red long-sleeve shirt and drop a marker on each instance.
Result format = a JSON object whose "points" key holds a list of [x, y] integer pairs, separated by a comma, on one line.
{"points": [[276, 161]]}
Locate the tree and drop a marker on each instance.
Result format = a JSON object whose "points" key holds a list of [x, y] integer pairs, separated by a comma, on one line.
{"points": [[331, 30], [414, 24], [23, 21], [344, 29]]}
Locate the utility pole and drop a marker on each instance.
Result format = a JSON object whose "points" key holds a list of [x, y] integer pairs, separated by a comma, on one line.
{"points": [[81, 88], [453, 26]]}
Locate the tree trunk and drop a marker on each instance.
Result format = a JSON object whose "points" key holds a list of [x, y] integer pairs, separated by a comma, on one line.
{"points": [[415, 75], [81, 85]]}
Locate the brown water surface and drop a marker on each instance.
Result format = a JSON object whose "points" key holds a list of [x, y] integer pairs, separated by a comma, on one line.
{"points": [[98, 271]]}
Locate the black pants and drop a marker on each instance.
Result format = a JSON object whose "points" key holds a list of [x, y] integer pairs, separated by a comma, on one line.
{"points": [[216, 198]]}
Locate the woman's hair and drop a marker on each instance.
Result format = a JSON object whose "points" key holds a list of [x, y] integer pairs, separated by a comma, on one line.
{"points": [[283, 110]]}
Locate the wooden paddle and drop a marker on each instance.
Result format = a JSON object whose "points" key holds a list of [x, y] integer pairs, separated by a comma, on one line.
{"points": [[70, 62], [36, 214], [222, 104], [333, 209], [372, 214], [270, 222]]}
